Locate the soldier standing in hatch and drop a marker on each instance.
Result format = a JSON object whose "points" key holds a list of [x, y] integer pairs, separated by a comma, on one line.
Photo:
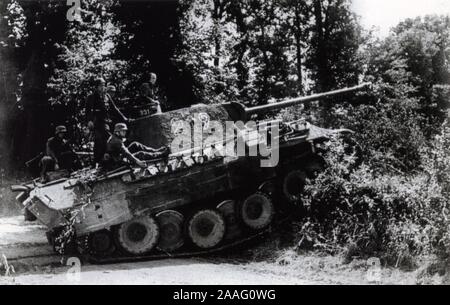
{"points": [[153, 93], [148, 95], [101, 111], [59, 154]]}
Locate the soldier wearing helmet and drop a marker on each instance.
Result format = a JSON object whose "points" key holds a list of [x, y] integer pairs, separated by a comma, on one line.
{"points": [[116, 151], [101, 111], [59, 154]]}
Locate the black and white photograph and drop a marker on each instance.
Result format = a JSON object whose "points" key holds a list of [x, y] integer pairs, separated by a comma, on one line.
{"points": [[250, 144]]}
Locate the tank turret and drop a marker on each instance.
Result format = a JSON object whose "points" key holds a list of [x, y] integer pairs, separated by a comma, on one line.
{"points": [[156, 130]]}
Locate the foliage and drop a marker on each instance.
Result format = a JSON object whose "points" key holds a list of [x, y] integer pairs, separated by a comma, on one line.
{"points": [[12, 36], [16, 25], [366, 213], [390, 199], [416, 56], [87, 53], [261, 50], [207, 41], [6, 269], [388, 130], [336, 37], [425, 43]]}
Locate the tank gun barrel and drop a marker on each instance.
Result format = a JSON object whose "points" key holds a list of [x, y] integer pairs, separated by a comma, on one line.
{"points": [[304, 99]]}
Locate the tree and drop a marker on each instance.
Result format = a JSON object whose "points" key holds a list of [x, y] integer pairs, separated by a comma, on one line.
{"points": [[86, 53], [34, 28], [268, 47], [259, 50], [413, 64], [208, 38], [12, 36], [336, 37], [298, 15], [424, 44]]}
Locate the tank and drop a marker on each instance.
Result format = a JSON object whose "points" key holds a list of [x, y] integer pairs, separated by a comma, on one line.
{"points": [[230, 175]]}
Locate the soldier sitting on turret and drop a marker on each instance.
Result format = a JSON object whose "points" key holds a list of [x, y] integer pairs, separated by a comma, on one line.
{"points": [[136, 152]]}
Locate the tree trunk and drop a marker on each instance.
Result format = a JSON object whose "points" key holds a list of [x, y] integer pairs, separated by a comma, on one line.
{"points": [[242, 46], [217, 52], [298, 44], [265, 89], [36, 117], [321, 55], [217, 17]]}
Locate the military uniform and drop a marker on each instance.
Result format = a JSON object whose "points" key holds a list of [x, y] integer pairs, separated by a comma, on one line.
{"points": [[101, 110], [147, 102], [58, 151], [117, 151]]}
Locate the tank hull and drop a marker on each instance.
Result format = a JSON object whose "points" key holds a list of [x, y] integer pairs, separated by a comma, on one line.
{"points": [[107, 201], [203, 195]]}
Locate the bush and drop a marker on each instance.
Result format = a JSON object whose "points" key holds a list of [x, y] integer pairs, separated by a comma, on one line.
{"points": [[391, 215]]}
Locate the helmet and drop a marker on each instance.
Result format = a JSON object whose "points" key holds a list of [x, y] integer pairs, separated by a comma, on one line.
{"points": [[111, 88], [120, 127], [60, 129], [99, 81]]}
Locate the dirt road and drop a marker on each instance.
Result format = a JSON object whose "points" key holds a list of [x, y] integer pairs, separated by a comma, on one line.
{"points": [[25, 247], [166, 272]]}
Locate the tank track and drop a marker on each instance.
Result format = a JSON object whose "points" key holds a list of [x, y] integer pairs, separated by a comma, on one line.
{"points": [[185, 254], [117, 256]]}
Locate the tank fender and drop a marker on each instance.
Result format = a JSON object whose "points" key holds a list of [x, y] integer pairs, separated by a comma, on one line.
{"points": [[51, 218], [20, 188]]}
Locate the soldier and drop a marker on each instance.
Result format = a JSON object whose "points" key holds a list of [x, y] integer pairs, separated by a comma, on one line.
{"points": [[101, 111], [116, 150], [59, 154], [153, 87], [146, 98]]}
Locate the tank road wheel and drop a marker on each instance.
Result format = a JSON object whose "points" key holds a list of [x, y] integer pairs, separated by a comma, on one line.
{"points": [[101, 243], [293, 185], [257, 211], [228, 210], [171, 224], [138, 236], [206, 228]]}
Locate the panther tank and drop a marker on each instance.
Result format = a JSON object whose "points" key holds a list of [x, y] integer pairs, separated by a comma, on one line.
{"points": [[230, 175]]}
